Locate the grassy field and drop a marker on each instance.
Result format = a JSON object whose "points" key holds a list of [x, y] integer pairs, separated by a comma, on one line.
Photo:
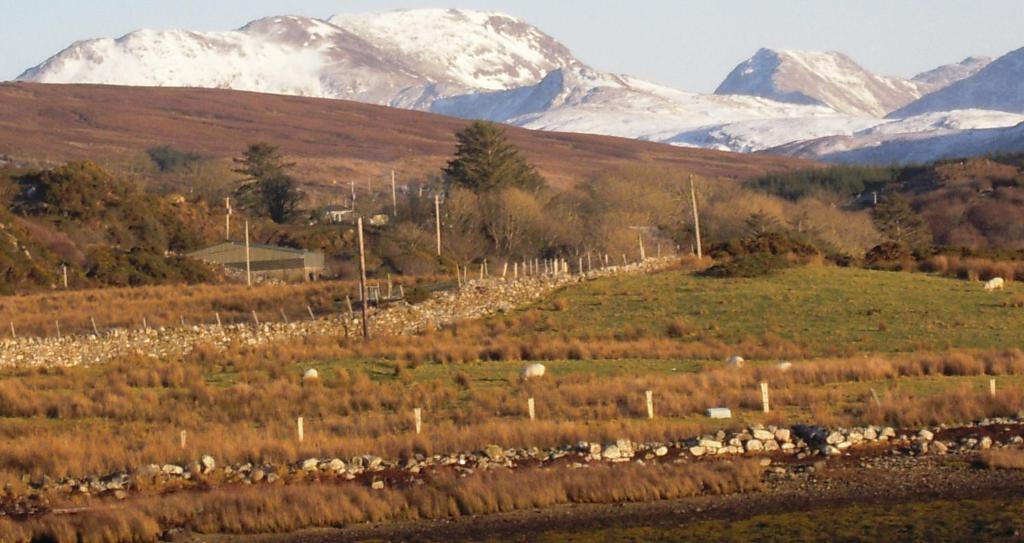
{"points": [[637, 334], [829, 310]]}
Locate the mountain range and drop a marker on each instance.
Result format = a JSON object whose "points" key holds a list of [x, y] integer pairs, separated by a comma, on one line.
{"points": [[470, 64]]}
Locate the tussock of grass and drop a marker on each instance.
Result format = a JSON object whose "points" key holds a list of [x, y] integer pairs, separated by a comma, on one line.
{"points": [[286, 508], [1003, 459]]}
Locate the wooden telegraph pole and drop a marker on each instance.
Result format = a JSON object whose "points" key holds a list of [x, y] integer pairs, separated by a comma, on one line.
{"points": [[437, 221], [696, 218], [362, 277], [227, 218], [248, 265], [394, 195]]}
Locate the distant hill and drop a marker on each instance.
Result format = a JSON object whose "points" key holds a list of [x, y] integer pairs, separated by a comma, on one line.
{"points": [[329, 139], [998, 86]]}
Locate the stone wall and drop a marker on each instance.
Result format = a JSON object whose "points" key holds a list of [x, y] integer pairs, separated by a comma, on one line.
{"points": [[476, 299]]}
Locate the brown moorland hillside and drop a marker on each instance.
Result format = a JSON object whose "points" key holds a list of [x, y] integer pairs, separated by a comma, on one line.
{"points": [[329, 139]]}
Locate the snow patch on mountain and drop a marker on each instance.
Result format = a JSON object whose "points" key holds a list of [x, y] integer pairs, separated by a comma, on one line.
{"points": [[922, 138]]}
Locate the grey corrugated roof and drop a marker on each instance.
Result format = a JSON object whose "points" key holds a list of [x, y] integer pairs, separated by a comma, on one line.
{"points": [[241, 244]]}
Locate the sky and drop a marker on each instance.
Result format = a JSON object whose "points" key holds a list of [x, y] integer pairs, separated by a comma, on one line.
{"points": [[687, 44]]}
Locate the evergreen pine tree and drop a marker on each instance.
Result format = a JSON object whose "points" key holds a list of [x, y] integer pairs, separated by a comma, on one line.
{"points": [[897, 220], [485, 161], [266, 188]]}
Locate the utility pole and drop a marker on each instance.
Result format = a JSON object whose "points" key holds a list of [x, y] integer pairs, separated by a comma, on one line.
{"points": [[394, 195], [64, 271], [248, 266], [362, 277], [437, 220], [696, 218], [227, 218]]}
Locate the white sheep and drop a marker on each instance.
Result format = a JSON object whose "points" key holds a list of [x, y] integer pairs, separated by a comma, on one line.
{"points": [[533, 371], [996, 283], [736, 361], [310, 375]]}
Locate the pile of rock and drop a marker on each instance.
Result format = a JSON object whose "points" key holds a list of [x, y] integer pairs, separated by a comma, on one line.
{"points": [[800, 441]]}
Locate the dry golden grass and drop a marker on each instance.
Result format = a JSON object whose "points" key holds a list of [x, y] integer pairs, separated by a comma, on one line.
{"points": [[1003, 459], [241, 405], [443, 495], [37, 314]]}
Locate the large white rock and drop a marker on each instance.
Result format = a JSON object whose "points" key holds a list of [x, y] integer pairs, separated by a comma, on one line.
{"points": [[762, 435], [311, 375]]}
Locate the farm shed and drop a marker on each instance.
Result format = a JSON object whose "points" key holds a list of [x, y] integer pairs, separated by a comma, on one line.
{"points": [[269, 261]]}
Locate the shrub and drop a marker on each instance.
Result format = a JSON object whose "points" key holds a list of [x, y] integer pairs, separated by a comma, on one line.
{"points": [[750, 265]]}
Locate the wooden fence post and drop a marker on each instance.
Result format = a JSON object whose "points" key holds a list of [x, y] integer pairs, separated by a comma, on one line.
{"points": [[184, 439], [992, 387], [298, 424], [312, 317], [13, 333], [650, 403], [283, 316], [57, 322], [145, 325], [217, 314], [417, 415], [94, 328], [874, 395], [255, 318], [530, 409], [764, 397]]}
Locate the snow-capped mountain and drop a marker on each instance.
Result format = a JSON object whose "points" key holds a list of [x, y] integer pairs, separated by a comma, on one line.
{"points": [[998, 86], [946, 75], [826, 78], [281, 55], [477, 50], [403, 58], [581, 99], [493, 66]]}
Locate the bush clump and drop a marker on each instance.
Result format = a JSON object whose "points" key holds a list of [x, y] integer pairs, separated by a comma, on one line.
{"points": [[749, 265]]}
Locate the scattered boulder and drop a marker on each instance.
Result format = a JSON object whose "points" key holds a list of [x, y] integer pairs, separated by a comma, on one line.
{"points": [[207, 464]]}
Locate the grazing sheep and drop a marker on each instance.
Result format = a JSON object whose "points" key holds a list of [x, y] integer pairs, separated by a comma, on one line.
{"points": [[785, 366], [533, 371], [996, 283], [736, 361], [310, 375]]}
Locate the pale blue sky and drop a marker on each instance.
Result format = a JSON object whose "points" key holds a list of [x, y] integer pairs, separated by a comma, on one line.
{"points": [[689, 44]]}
